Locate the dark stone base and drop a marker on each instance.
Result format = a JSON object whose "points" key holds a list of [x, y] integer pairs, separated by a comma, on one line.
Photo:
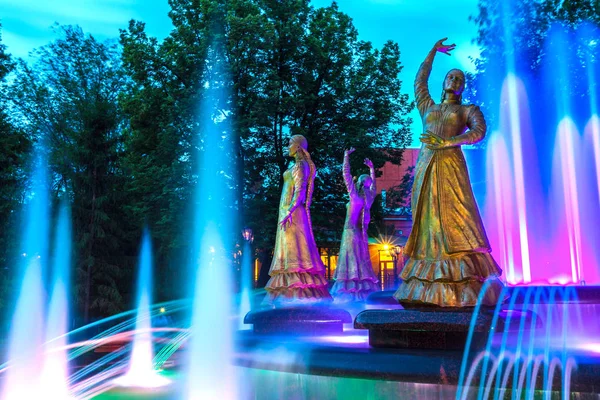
{"points": [[423, 340], [437, 328], [309, 320]]}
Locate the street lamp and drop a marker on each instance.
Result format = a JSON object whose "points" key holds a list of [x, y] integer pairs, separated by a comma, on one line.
{"points": [[247, 234], [247, 258]]}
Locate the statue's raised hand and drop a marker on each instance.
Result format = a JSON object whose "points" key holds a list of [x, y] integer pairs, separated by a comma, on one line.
{"points": [[349, 151], [443, 48], [369, 163]]}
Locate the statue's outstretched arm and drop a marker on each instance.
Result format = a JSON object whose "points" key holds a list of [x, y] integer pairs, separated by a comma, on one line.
{"points": [[422, 97], [347, 173]]}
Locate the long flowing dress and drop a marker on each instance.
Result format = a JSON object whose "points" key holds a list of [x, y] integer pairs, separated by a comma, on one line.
{"points": [[449, 252], [354, 275], [297, 272]]}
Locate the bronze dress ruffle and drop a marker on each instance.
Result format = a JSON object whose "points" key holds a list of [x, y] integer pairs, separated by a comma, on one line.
{"points": [[297, 272], [448, 251], [354, 275]]}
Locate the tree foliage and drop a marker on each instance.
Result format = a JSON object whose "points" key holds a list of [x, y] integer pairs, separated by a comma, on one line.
{"points": [[128, 128], [290, 69], [14, 148], [68, 100]]}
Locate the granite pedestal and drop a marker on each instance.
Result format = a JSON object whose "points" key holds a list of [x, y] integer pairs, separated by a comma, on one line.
{"points": [[435, 328], [309, 320]]}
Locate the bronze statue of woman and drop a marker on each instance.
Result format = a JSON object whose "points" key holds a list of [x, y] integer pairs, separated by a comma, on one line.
{"points": [[297, 272], [448, 251], [354, 275]]}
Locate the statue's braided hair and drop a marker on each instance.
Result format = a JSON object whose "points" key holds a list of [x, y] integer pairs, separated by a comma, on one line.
{"points": [[302, 148]]}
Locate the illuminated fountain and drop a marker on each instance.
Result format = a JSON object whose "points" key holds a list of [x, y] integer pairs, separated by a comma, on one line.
{"points": [[55, 374], [543, 191], [141, 371], [209, 370], [25, 358]]}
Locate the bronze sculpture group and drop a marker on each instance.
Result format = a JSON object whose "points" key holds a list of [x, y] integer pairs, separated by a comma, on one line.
{"points": [[448, 252]]}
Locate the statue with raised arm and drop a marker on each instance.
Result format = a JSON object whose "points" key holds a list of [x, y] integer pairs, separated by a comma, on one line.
{"points": [[448, 251], [354, 276], [297, 272]]}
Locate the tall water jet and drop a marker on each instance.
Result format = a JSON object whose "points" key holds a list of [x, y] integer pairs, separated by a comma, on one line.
{"points": [[519, 175], [566, 150], [55, 375], [588, 36], [500, 207], [141, 372], [592, 136], [514, 106], [210, 374], [25, 350]]}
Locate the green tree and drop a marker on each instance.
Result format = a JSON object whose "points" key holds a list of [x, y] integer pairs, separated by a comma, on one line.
{"points": [[14, 147], [162, 103], [69, 100], [286, 68]]}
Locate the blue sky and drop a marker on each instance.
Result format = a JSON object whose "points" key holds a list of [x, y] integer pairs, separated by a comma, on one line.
{"points": [[415, 24]]}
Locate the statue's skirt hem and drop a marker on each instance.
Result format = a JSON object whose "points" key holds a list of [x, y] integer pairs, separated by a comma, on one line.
{"points": [[452, 282], [296, 287], [347, 290]]}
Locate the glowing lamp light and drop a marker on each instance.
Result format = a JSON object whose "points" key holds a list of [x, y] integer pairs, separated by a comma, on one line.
{"points": [[386, 246], [162, 310], [247, 234]]}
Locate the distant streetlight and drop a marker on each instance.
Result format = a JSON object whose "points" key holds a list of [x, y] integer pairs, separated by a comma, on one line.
{"points": [[247, 234]]}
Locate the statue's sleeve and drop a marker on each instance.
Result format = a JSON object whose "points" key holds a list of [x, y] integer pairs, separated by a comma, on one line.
{"points": [[422, 96], [300, 174], [477, 128], [348, 175], [373, 183]]}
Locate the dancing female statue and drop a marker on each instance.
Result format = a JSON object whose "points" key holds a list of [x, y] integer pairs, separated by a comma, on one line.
{"points": [[297, 272], [354, 276], [448, 251]]}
